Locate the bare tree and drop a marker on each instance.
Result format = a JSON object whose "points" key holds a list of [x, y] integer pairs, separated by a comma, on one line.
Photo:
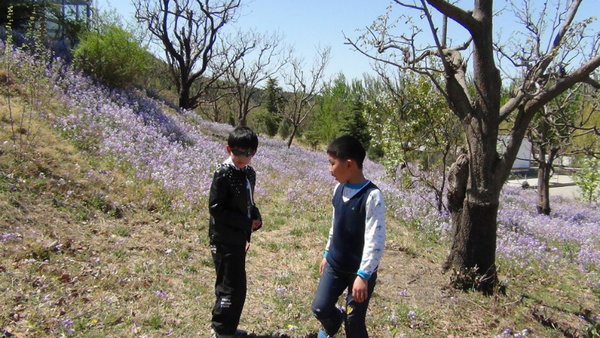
{"points": [[187, 31], [251, 59], [554, 131], [477, 177], [566, 117], [214, 101], [303, 89]]}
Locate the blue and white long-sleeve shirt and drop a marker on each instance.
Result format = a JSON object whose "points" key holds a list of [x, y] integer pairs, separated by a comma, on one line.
{"points": [[374, 235]]}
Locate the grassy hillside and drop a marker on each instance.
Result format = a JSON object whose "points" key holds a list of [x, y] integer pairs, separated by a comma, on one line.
{"points": [[103, 230]]}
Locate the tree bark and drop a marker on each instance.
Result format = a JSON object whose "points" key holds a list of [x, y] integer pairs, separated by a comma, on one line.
{"points": [[473, 254], [543, 188], [292, 135], [457, 189], [546, 167], [473, 251], [184, 98]]}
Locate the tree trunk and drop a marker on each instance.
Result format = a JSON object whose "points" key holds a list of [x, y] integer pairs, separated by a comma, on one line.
{"points": [[184, 98], [289, 144], [243, 115], [543, 189], [473, 196], [473, 253], [242, 121], [546, 163], [216, 112]]}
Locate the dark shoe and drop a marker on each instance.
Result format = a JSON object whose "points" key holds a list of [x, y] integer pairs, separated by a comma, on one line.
{"points": [[238, 333]]}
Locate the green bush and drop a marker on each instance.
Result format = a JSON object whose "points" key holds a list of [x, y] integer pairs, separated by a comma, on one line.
{"points": [[588, 179], [112, 56]]}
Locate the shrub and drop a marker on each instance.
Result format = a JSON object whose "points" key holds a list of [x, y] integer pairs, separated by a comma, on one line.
{"points": [[588, 179], [111, 56]]}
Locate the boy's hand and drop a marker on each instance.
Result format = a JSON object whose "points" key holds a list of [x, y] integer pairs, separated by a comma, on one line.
{"points": [[360, 289], [256, 224], [322, 266]]}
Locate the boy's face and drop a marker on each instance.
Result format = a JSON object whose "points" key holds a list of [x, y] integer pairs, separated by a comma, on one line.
{"points": [[240, 157], [340, 169]]}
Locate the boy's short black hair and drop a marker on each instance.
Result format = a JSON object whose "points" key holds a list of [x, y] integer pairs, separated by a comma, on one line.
{"points": [[242, 138], [347, 147]]}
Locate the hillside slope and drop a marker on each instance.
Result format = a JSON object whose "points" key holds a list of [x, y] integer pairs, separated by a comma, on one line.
{"points": [[103, 231]]}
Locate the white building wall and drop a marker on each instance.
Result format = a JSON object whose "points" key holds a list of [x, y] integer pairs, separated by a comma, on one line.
{"points": [[523, 160]]}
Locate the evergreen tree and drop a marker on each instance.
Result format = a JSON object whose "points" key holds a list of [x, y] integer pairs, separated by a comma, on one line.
{"points": [[356, 124], [274, 104], [333, 109]]}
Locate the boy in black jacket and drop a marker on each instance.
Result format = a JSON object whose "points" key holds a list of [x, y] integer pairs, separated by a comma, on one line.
{"points": [[233, 218]]}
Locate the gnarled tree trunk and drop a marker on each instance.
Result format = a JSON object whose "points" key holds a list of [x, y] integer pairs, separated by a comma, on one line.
{"points": [[473, 196], [478, 176]]}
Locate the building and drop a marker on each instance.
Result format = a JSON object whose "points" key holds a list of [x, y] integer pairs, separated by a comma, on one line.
{"points": [[522, 164], [71, 10], [61, 16]]}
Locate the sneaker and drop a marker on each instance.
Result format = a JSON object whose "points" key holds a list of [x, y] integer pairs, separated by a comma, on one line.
{"points": [[322, 334], [342, 311]]}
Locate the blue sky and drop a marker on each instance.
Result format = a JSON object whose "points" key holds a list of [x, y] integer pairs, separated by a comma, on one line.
{"points": [[303, 24], [308, 24]]}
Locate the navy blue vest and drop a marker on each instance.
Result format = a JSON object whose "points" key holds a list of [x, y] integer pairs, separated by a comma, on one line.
{"points": [[348, 239]]}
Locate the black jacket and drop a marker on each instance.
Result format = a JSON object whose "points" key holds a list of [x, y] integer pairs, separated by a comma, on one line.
{"points": [[229, 205]]}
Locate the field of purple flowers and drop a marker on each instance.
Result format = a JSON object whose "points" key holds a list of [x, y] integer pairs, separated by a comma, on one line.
{"points": [[179, 151]]}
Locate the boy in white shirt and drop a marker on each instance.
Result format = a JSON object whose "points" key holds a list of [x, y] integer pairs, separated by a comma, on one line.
{"points": [[355, 245]]}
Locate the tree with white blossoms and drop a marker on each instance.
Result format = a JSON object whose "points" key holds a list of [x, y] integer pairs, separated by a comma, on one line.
{"points": [[536, 70], [413, 125]]}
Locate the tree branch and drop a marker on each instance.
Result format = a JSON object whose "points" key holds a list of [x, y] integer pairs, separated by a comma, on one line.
{"points": [[579, 75], [462, 17]]}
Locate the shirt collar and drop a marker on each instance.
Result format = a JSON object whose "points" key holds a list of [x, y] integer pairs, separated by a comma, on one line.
{"points": [[357, 186], [229, 161]]}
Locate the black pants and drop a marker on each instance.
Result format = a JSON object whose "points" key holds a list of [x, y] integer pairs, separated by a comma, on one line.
{"points": [[230, 286]]}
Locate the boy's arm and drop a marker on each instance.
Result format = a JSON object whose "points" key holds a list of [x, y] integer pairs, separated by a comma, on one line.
{"points": [[254, 211], [324, 260], [374, 234], [329, 236], [217, 202], [256, 218], [331, 228]]}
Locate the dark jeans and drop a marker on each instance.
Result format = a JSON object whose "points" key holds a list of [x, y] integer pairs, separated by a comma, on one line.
{"points": [[230, 286], [331, 286]]}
